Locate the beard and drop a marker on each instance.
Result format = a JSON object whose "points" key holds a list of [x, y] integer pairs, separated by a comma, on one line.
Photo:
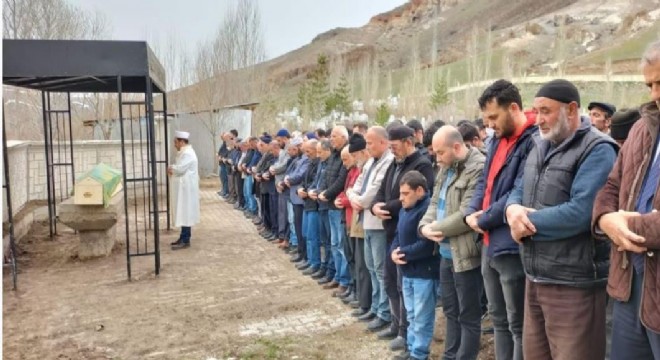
{"points": [[560, 131], [508, 128]]}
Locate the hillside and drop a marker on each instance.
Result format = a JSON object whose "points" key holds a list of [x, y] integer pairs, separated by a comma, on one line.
{"points": [[398, 52]]}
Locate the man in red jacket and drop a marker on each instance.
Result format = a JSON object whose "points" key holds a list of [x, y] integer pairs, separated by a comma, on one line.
{"points": [[359, 294], [626, 212]]}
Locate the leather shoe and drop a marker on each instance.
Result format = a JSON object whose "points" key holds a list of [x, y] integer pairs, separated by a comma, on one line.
{"points": [[399, 343], [403, 356], [296, 259], [177, 242], [359, 312], [377, 324], [354, 304], [318, 274], [346, 293], [303, 266], [310, 271], [349, 299], [367, 317], [340, 290], [293, 250], [387, 334], [180, 246], [324, 281], [331, 285]]}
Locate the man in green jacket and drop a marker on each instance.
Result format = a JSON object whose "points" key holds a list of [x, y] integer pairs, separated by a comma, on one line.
{"points": [[460, 270]]}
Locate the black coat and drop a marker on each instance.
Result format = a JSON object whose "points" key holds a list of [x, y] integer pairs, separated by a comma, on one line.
{"points": [[389, 188]]}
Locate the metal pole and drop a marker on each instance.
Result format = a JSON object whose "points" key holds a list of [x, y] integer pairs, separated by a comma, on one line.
{"points": [[10, 214], [73, 169], [123, 168], [167, 161], [47, 160], [154, 188]]}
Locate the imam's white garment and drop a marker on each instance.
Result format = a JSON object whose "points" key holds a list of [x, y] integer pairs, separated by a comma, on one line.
{"points": [[185, 188]]}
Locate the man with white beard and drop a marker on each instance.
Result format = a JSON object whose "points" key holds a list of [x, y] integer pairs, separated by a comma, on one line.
{"points": [[549, 213]]}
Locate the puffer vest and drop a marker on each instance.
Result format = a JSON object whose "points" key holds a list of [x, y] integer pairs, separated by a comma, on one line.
{"points": [[579, 260]]}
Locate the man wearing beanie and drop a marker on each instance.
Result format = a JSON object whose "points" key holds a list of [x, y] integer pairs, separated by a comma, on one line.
{"points": [[626, 212], [354, 156], [386, 206], [549, 213], [622, 121], [600, 114]]}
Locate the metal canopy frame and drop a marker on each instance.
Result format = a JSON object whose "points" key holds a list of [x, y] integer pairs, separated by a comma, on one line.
{"points": [[82, 66]]}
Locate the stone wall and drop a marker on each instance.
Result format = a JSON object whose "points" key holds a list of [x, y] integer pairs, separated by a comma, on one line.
{"points": [[27, 168]]}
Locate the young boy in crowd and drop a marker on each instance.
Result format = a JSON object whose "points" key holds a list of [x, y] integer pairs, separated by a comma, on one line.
{"points": [[419, 264]]}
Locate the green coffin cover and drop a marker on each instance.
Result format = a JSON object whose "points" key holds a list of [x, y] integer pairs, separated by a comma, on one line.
{"points": [[109, 177]]}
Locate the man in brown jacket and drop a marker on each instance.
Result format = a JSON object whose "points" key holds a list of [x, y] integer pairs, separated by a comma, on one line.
{"points": [[626, 211]]}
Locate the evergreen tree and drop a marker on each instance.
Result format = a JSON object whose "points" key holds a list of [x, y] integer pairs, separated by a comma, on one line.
{"points": [[339, 100], [382, 114], [440, 94]]}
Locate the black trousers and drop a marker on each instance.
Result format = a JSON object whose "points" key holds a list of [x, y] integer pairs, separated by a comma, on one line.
{"points": [[238, 180], [360, 273], [298, 211], [273, 199], [395, 294], [265, 210]]}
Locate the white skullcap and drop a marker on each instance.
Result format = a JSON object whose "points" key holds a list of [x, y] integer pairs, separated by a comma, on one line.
{"points": [[296, 141], [181, 135]]}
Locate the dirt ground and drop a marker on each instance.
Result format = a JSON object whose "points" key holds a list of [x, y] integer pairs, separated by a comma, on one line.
{"points": [[232, 295]]}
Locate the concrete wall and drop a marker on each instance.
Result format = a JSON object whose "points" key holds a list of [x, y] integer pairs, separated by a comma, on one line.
{"points": [[27, 167], [202, 139]]}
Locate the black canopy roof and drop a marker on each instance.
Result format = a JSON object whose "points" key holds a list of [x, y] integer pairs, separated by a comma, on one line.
{"points": [[81, 65]]}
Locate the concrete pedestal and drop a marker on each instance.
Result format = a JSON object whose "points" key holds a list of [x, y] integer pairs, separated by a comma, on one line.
{"points": [[96, 225]]}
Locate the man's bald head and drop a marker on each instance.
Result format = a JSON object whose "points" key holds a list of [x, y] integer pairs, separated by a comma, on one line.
{"points": [[448, 146], [377, 141]]}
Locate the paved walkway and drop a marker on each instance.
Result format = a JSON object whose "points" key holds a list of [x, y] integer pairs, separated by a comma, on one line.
{"points": [[231, 295]]}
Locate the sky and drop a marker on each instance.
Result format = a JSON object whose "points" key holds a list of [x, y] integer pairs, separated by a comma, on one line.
{"points": [[288, 24]]}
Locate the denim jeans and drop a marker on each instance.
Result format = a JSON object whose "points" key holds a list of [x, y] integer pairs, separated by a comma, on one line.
{"points": [[337, 232], [290, 217], [419, 297], [186, 233], [504, 282], [298, 215], [328, 263], [461, 304], [631, 339], [311, 231], [375, 250], [250, 201], [224, 178]]}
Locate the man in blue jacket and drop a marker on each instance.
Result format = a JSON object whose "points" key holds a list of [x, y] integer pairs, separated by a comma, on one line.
{"points": [[504, 277], [419, 264], [295, 174], [549, 212]]}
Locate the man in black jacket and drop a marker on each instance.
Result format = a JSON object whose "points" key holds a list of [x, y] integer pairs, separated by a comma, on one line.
{"points": [[265, 187], [335, 178], [310, 212], [386, 206]]}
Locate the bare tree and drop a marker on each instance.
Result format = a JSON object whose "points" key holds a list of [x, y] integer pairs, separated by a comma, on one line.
{"points": [[51, 19], [220, 62], [43, 19]]}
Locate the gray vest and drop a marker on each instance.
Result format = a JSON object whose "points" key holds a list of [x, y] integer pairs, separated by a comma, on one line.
{"points": [[548, 178]]}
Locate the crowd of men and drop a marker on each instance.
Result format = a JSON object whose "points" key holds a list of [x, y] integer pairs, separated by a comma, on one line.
{"points": [[544, 211]]}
